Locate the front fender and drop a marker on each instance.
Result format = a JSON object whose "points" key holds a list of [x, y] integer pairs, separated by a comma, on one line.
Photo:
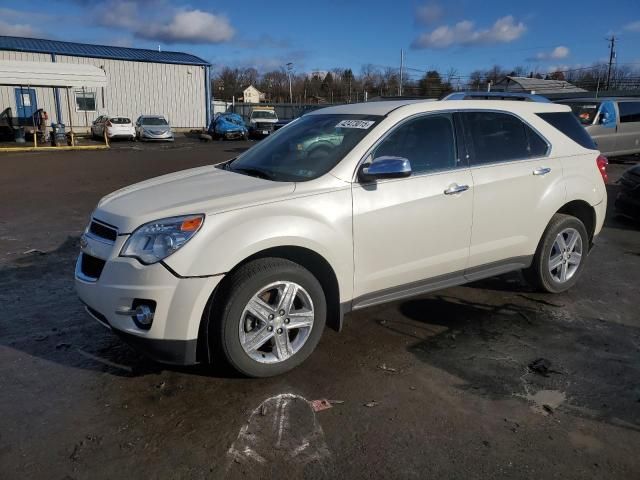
{"points": [[321, 223]]}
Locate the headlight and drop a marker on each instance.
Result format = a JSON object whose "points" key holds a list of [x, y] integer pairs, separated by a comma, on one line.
{"points": [[156, 240]]}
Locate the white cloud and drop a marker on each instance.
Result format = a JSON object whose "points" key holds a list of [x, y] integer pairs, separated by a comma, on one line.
{"points": [[632, 27], [557, 53], [118, 13], [429, 13], [504, 30], [157, 20], [17, 29], [189, 26], [560, 52]]}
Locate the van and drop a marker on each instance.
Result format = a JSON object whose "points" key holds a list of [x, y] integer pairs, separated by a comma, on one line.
{"points": [[613, 123]]}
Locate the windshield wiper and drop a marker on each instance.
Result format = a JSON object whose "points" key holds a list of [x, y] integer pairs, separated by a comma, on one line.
{"points": [[253, 172]]}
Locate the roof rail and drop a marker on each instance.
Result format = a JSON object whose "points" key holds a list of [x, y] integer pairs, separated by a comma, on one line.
{"points": [[522, 97]]}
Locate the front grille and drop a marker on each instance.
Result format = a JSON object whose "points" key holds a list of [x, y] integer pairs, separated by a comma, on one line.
{"points": [[264, 126], [91, 266], [103, 231]]}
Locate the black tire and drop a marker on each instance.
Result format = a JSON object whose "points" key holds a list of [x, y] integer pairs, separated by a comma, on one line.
{"points": [[234, 296], [538, 274]]}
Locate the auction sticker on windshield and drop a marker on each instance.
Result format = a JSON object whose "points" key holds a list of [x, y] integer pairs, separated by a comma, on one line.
{"points": [[363, 124]]}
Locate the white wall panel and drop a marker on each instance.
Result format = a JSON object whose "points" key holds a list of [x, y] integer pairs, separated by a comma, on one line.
{"points": [[137, 88], [44, 96], [133, 89]]}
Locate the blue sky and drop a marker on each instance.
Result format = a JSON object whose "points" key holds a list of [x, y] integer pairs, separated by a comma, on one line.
{"points": [[464, 35]]}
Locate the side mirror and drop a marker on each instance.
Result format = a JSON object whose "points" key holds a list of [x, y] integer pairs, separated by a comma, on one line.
{"points": [[385, 167]]}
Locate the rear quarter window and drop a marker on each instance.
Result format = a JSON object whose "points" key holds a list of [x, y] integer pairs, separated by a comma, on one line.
{"points": [[568, 124], [629, 112]]}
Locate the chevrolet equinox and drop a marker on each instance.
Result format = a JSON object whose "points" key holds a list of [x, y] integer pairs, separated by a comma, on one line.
{"points": [[346, 207]]}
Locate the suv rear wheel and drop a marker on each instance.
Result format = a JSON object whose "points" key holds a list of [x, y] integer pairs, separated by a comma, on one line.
{"points": [[271, 319], [561, 255]]}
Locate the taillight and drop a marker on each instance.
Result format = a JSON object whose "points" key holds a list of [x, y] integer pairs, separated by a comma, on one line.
{"points": [[109, 124], [602, 163]]}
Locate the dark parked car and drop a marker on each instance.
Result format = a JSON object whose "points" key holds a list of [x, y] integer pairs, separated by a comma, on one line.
{"points": [[628, 199]]}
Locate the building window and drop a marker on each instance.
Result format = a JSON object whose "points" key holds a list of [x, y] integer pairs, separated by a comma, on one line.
{"points": [[85, 101]]}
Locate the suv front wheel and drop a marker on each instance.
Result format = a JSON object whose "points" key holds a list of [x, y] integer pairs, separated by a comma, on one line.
{"points": [[560, 256], [271, 318]]}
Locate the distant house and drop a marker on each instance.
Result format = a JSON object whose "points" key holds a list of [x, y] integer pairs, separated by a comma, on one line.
{"points": [[535, 85], [252, 95]]}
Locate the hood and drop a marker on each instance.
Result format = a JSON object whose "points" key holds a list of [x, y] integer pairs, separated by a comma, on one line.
{"points": [[264, 120], [206, 190]]}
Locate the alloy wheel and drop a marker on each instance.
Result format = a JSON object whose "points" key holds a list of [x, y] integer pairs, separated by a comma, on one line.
{"points": [[276, 322], [566, 255]]}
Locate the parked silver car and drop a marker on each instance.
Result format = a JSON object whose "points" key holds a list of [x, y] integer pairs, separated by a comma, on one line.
{"points": [[613, 123], [153, 127]]}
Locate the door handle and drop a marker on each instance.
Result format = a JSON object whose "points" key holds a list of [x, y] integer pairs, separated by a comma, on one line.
{"points": [[541, 171], [455, 188]]}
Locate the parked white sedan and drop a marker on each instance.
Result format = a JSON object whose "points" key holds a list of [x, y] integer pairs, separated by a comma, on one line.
{"points": [[115, 127]]}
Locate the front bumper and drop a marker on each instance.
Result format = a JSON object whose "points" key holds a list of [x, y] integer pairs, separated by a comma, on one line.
{"points": [[173, 352], [179, 304], [167, 137], [234, 135]]}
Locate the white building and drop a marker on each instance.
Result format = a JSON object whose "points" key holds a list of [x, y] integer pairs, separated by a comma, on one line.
{"points": [[138, 81], [252, 95]]}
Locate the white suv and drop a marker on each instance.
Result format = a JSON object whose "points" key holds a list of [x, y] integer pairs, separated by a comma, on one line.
{"points": [[248, 260]]}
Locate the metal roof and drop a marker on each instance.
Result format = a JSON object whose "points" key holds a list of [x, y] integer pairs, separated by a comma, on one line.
{"points": [[38, 45], [539, 85]]}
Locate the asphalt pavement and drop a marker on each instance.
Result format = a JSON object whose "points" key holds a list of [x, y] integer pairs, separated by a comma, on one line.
{"points": [[438, 386]]}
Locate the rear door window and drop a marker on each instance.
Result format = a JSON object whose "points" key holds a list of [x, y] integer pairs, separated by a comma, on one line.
{"points": [[629, 112], [500, 137], [568, 124]]}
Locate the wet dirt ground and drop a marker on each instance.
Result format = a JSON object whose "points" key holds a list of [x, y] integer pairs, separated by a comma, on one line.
{"points": [[436, 386]]}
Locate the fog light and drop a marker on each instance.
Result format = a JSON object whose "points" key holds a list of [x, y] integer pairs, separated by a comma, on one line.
{"points": [[141, 313]]}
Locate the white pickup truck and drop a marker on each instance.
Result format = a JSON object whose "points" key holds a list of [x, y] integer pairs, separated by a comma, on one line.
{"points": [[262, 122]]}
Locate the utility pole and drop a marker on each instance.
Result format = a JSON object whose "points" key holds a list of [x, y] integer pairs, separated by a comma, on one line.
{"points": [[612, 56], [289, 68], [401, 71]]}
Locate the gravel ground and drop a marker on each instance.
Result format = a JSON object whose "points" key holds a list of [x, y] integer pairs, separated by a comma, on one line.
{"points": [[432, 387]]}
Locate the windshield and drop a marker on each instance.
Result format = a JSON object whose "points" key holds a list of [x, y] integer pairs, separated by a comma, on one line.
{"points": [[584, 111], [306, 148], [264, 114], [153, 121]]}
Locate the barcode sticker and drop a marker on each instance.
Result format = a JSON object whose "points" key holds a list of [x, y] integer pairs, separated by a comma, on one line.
{"points": [[363, 124]]}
